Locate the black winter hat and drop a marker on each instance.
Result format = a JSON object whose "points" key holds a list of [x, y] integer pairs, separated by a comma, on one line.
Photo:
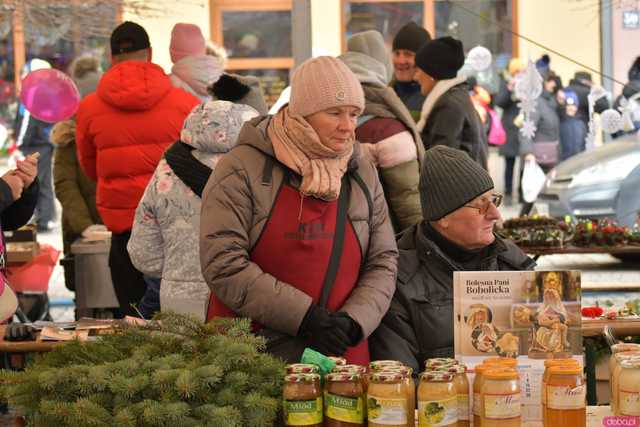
{"points": [[441, 58], [129, 37], [449, 179], [411, 37]]}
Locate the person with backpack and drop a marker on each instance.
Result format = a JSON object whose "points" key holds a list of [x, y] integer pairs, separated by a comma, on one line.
{"points": [[294, 230]]}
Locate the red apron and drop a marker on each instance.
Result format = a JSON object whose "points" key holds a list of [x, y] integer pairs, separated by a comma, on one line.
{"points": [[295, 247]]}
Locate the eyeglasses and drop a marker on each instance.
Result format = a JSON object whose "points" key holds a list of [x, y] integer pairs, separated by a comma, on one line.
{"points": [[496, 199]]}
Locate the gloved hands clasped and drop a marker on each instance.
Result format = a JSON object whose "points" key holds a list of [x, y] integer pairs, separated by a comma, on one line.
{"points": [[328, 332]]}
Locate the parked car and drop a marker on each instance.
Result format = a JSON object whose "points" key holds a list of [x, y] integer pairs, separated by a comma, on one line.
{"points": [[604, 182]]}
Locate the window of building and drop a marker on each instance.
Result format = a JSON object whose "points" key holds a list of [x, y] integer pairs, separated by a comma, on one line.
{"points": [[257, 37]]}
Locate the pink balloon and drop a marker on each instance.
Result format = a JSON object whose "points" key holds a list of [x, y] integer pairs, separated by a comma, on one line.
{"points": [[50, 95]]}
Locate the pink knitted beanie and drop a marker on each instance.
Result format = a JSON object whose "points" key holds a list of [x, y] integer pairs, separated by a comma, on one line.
{"points": [[321, 83], [186, 40]]}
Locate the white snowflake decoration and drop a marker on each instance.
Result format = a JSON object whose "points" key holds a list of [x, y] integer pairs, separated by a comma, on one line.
{"points": [[611, 121], [479, 58], [630, 109], [528, 89]]}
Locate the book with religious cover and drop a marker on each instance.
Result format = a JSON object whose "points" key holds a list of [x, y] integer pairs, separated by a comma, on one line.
{"points": [[528, 315]]}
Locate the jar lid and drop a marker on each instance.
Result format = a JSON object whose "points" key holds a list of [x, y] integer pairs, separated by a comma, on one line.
{"points": [[302, 368], [339, 360], [633, 363], [560, 362], [503, 361], [500, 374], [376, 365], [403, 370], [301, 378], [565, 370], [627, 354], [617, 348], [454, 369], [350, 368], [343, 376], [440, 361], [387, 377], [482, 368], [436, 376]]}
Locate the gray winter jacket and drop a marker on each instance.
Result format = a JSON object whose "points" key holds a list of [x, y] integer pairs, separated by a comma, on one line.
{"points": [[547, 123], [419, 323]]}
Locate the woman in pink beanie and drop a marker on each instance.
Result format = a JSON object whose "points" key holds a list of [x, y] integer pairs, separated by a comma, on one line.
{"points": [[295, 232], [193, 70]]}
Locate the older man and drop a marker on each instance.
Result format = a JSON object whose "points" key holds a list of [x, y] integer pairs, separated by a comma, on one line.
{"points": [[460, 210], [448, 116]]}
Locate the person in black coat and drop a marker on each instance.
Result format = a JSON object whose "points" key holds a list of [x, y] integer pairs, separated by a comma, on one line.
{"points": [[448, 116], [18, 195]]}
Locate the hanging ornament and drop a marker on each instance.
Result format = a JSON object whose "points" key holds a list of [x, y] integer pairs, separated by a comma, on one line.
{"points": [[595, 94], [528, 88], [479, 58], [611, 121]]}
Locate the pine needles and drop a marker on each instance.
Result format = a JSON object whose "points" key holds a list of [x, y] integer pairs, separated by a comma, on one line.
{"points": [[174, 372]]}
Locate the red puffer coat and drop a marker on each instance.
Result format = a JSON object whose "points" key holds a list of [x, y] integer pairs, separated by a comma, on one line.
{"points": [[122, 131]]}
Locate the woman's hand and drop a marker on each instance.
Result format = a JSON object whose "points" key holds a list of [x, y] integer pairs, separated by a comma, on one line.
{"points": [[27, 169], [15, 183]]}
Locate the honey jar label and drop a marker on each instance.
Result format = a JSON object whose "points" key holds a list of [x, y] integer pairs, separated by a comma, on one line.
{"points": [[629, 402], [502, 406], [385, 411], [463, 407], [436, 413], [566, 397], [346, 409], [476, 404], [303, 412]]}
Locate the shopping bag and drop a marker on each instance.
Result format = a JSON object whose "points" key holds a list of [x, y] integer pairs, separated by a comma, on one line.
{"points": [[533, 179], [497, 135]]}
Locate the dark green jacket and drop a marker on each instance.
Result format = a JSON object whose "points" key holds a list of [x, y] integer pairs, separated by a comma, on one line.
{"points": [[419, 323], [75, 191]]}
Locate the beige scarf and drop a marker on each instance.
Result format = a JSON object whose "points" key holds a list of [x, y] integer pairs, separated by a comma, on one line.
{"points": [[298, 146]]}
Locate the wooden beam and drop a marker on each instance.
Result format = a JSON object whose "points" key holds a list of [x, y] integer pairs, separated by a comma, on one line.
{"points": [[515, 40], [19, 51], [429, 17]]}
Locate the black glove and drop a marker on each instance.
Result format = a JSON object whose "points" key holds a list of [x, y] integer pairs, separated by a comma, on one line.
{"points": [[349, 326], [321, 331], [19, 332]]}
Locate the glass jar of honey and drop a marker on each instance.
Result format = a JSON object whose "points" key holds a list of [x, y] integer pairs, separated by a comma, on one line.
{"points": [[476, 405], [344, 400], [566, 397], [409, 387], [614, 375], [362, 370], [461, 383], [501, 398], [387, 402], [628, 388], [543, 385], [302, 400], [437, 400]]}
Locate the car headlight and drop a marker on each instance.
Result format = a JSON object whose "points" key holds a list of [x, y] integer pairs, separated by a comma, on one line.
{"points": [[611, 171]]}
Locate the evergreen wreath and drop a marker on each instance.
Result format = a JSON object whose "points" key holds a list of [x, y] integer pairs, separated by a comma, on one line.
{"points": [[173, 372]]}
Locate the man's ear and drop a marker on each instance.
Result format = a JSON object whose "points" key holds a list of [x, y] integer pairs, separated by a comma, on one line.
{"points": [[442, 223]]}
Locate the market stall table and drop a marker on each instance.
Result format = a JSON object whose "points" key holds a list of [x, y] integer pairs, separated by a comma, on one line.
{"points": [[611, 250]]}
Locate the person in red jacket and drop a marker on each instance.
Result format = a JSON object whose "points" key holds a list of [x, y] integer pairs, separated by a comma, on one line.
{"points": [[122, 131]]}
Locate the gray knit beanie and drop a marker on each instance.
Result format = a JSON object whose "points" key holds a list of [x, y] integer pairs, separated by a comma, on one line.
{"points": [[449, 179]]}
